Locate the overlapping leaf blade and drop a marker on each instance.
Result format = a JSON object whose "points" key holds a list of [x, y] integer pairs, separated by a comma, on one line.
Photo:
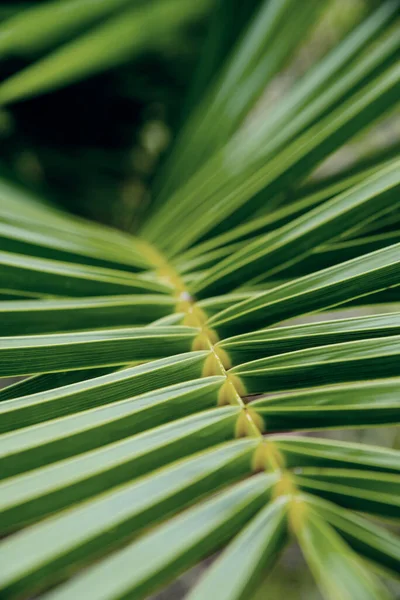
{"points": [[373, 542], [376, 493], [278, 340], [38, 445], [314, 452], [208, 202], [66, 351], [204, 528], [336, 568], [103, 522], [338, 363], [99, 391], [48, 489], [256, 548], [373, 272], [288, 245]]}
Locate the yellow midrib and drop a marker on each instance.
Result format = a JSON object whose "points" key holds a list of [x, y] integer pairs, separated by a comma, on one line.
{"points": [[218, 363], [249, 423]]}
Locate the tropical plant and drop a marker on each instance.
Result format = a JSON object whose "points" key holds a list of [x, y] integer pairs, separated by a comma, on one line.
{"points": [[166, 404]]}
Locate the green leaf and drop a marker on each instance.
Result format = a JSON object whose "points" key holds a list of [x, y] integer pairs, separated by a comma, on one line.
{"points": [[311, 452], [272, 220], [119, 39], [331, 80], [40, 27], [372, 542], [350, 361], [229, 194], [35, 218], [270, 342], [156, 425], [208, 259], [256, 548], [42, 243], [48, 489], [269, 39], [55, 278], [227, 22], [337, 570], [172, 547], [338, 252], [216, 304], [50, 381], [289, 244], [66, 351], [22, 317], [366, 491], [329, 287], [357, 405], [42, 444], [99, 391], [103, 523]]}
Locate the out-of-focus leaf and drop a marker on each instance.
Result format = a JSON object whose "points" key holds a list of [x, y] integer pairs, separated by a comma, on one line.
{"points": [[374, 542], [313, 452], [257, 547], [376, 493], [138, 28], [161, 554], [43, 25], [336, 568]]}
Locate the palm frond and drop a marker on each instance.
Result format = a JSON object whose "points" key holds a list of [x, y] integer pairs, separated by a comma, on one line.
{"points": [[164, 386]]}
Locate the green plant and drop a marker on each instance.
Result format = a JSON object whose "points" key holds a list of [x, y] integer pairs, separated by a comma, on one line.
{"points": [[162, 414]]}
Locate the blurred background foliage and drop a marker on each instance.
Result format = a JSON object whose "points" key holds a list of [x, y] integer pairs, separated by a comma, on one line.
{"points": [[94, 142]]}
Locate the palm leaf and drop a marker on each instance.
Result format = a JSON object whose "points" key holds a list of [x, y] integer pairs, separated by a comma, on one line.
{"points": [[122, 36], [163, 384]]}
